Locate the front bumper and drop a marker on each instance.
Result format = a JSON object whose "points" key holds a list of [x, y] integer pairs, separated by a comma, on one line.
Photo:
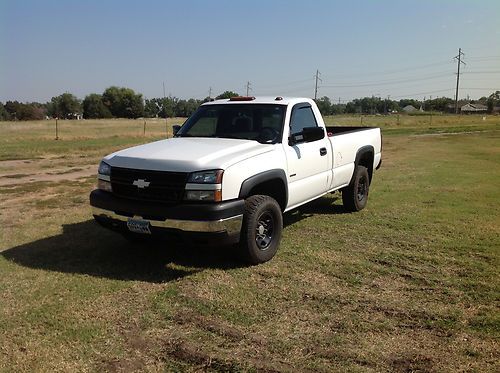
{"points": [[220, 221], [230, 225]]}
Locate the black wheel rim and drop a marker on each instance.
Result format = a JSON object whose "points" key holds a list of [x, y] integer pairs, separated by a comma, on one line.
{"points": [[264, 231], [361, 192]]}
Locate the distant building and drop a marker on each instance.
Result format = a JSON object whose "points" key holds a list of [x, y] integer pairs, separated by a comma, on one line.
{"points": [[473, 108], [76, 116], [409, 109]]}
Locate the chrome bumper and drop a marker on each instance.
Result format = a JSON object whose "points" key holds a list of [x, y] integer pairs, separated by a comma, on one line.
{"points": [[230, 225]]}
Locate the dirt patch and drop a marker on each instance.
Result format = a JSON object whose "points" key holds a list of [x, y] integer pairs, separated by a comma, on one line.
{"points": [[54, 176], [417, 363], [123, 365], [191, 353], [15, 163], [210, 325]]}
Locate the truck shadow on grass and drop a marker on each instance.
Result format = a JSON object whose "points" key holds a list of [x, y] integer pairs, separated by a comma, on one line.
{"points": [[87, 248], [320, 206]]}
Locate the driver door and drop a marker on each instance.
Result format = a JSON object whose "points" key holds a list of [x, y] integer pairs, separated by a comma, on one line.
{"points": [[308, 162]]}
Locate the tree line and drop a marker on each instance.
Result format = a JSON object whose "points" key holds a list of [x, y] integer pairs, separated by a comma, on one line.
{"points": [[121, 102], [378, 105]]}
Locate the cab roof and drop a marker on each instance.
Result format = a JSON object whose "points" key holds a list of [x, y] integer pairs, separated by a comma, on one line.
{"points": [[276, 100]]}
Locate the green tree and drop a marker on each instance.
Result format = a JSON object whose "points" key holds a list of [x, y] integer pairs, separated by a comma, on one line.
{"points": [[123, 102], [93, 107], [227, 94], [493, 101], [64, 106], [4, 115], [152, 107], [167, 107], [324, 105], [19, 111], [438, 104], [338, 108], [12, 107]]}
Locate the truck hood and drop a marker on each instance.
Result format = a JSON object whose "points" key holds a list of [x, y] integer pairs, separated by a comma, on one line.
{"points": [[187, 154]]}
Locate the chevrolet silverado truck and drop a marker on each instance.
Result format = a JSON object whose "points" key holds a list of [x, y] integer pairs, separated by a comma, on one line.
{"points": [[232, 170]]}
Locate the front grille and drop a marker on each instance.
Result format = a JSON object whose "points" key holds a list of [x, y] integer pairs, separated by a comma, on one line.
{"points": [[163, 186]]}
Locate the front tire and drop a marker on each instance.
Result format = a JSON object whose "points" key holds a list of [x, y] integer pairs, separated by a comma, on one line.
{"points": [[261, 229], [355, 195]]}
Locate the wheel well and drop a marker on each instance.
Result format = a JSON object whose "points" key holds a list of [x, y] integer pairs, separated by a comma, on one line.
{"points": [[366, 159], [273, 188]]}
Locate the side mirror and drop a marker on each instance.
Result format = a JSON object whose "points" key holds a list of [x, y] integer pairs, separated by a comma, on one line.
{"points": [[308, 134], [175, 129]]}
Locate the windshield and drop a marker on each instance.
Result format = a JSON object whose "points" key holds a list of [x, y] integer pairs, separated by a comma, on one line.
{"points": [[259, 122]]}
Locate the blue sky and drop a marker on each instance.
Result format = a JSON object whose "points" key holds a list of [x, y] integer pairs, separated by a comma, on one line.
{"points": [[362, 48]]}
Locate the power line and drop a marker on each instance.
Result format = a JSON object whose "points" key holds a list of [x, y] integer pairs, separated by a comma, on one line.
{"points": [[387, 82], [424, 93], [285, 84], [481, 88], [390, 72], [482, 72]]}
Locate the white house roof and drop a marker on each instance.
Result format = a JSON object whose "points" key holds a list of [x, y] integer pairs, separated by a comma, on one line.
{"points": [[409, 108], [474, 107]]}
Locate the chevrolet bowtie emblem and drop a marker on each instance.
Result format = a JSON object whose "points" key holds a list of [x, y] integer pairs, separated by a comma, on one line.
{"points": [[140, 183]]}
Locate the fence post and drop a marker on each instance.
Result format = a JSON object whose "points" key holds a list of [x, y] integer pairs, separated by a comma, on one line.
{"points": [[144, 132], [57, 131]]}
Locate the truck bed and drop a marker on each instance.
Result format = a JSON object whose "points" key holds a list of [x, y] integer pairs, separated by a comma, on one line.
{"points": [[341, 130]]}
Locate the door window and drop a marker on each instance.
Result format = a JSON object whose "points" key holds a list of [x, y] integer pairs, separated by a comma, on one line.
{"points": [[302, 116]]}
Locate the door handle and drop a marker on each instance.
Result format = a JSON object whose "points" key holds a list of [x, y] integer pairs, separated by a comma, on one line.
{"points": [[322, 151]]}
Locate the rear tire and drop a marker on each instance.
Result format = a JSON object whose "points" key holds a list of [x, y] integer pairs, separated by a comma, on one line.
{"points": [[355, 195], [261, 229]]}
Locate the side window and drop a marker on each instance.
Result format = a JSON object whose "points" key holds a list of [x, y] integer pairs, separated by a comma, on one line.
{"points": [[302, 116]]}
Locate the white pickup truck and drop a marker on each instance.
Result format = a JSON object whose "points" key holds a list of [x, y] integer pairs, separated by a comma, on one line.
{"points": [[231, 171]]}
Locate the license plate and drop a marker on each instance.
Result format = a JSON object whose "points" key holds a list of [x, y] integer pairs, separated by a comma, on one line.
{"points": [[138, 226]]}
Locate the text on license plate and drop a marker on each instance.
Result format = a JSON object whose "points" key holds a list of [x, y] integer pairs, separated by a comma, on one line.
{"points": [[138, 226]]}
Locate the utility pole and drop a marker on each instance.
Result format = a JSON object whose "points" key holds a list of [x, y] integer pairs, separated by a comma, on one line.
{"points": [[248, 87], [316, 86], [209, 93], [165, 109], [459, 61]]}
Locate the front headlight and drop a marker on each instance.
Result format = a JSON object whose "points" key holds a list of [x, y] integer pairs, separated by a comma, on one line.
{"points": [[104, 177], [204, 186], [206, 177], [104, 169]]}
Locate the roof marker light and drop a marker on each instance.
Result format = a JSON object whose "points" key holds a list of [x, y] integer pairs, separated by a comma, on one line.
{"points": [[279, 98], [242, 98]]}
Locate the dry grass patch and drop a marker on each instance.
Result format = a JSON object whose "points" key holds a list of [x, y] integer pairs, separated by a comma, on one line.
{"points": [[408, 284]]}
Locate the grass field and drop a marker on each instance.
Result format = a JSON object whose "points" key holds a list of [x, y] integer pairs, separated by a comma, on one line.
{"points": [[411, 283]]}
